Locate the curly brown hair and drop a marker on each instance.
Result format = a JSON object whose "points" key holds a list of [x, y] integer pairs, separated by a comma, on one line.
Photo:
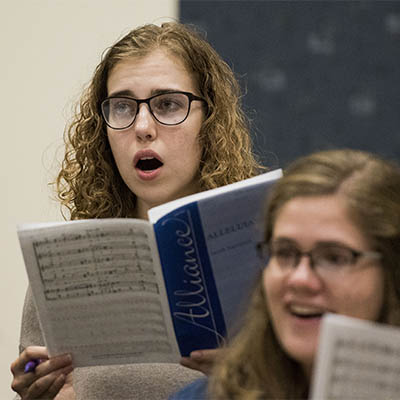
{"points": [[89, 184], [254, 365]]}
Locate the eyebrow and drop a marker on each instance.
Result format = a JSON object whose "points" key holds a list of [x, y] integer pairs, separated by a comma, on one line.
{"points": [[129, 93]]}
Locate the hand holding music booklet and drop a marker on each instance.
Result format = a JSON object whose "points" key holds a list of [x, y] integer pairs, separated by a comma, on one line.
{"points": [[124, 290]]}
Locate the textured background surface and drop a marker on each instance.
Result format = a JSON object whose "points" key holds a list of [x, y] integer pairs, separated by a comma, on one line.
{"points": [[317, 74]]}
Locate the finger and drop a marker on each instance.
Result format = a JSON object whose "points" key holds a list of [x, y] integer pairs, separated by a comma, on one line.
{"points": [[41, 387], [22, 381], [188, 362], [201, 360], [192, 364], [53, 367], [205, 356], [53, 364], [55, 387], [30, 353]]}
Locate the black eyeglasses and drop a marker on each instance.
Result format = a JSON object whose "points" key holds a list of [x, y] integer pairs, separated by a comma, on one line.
{"points": [[171, 108], [324, 257]]}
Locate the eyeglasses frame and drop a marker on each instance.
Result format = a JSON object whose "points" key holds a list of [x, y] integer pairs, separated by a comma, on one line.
{"points": [[189, 95], [263, 247]]}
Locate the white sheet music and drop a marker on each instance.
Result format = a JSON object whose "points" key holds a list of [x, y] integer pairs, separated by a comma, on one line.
{"points": [[357, 360], [99, 288]]}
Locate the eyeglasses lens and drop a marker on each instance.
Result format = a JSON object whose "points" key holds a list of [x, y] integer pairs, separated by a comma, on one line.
{"points": [[170, 108], [119, 112]]}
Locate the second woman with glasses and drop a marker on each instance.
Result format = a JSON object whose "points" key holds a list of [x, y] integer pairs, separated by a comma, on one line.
{"points": [[160, 119], [332, 245]]}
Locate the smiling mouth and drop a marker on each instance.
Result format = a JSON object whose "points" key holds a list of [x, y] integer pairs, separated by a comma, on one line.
{"points": [[308, 316], [305, 312], [149, 164]]}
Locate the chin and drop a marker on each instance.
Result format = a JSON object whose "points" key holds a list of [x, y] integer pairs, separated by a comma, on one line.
{"points": [[303, 353], [306, 361]]}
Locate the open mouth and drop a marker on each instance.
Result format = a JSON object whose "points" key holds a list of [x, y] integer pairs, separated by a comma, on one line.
{"points": [[306, 312], [149, 164], [308, 316]]}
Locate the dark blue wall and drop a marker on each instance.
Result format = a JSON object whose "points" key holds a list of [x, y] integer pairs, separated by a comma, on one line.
{"points": [[318, 74]]}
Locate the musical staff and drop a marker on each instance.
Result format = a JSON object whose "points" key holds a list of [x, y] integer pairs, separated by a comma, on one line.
{"points": [[364, 367], [93, 262]]}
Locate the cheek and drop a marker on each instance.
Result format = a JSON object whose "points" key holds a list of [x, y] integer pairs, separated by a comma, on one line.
{"points": [[184, 141], [187, 137], [118, 144], [363, 297], [272, 287], [185, 150]]}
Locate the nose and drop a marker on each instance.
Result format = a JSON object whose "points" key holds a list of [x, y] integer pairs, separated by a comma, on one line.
{"points": [[303, 276], [144, 125]]}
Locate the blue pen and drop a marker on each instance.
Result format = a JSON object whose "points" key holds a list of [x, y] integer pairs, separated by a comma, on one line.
{"points": [[31, 365]]}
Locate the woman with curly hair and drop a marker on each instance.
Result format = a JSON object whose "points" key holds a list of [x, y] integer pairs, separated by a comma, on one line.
{"points": [[332, 235], [160, 119]]}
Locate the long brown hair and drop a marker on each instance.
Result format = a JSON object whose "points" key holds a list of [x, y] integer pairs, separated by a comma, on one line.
{"points": [[254, 365], [89, 184]]}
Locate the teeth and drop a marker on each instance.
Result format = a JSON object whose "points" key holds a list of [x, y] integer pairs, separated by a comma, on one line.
{"points": [[303, 310], [147, 158]]}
